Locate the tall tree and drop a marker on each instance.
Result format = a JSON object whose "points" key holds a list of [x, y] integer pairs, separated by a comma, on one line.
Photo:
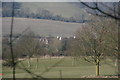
{"points": [[55, 46], [92, 41], [28, 45]]}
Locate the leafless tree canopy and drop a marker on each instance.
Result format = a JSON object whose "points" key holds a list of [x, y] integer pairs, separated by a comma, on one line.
{"points": [[112, 12]]}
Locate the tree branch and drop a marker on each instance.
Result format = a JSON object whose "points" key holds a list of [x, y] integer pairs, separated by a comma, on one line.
{"points": [[11, 44], [101, 11]]}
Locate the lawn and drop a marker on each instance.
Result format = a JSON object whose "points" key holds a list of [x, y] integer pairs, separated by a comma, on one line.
{"points": [[61, 67]]}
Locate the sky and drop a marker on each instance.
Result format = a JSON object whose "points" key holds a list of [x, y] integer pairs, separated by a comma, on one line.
{"points": [[60, 0]]}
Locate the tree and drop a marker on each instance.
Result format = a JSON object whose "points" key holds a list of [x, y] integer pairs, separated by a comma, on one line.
{"points": [[7, 8], [6, 52], [112, 12], [64, 45], [112, 38], [55, 46], [39, 50], [112, 41], [44, 14], [28, 45], [92, 41], [25, 12]]}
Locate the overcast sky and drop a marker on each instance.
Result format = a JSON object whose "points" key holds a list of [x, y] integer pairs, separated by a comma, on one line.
{"points": [[59, 0]]}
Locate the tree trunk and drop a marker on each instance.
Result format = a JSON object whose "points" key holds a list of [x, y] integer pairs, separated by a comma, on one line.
{"points": [[73, 62], [60, 74], [37, 63], [97, 68], [116, 61], [29, 65]]}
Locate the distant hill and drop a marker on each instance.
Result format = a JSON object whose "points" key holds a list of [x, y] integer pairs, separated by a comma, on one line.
{"points": [[75, 10], [49, 27], [104, 6], [59, 11], [41, 27], [65, 9]]}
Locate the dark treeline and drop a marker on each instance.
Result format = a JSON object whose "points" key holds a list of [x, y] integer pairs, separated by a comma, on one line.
{"points": [[53, 46], [32, 46], [39, 14]]}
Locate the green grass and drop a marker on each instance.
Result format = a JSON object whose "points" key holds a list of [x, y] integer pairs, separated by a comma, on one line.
{"points": [[50, 68]]}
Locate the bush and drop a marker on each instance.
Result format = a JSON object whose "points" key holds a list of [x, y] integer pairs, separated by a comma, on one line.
{"points": [[7, 63]]}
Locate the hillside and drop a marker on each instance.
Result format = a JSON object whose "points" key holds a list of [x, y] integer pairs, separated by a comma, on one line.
{"points": [[40, 26], [65, 9]]}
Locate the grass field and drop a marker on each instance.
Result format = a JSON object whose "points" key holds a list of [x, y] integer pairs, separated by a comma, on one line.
{"points": [[40, 26], [64, 67]]}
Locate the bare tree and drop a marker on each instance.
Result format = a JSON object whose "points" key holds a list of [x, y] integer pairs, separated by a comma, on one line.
{"points": [[112, 12], [92, 41], [55, 46], [28, 45], [39, 50]]}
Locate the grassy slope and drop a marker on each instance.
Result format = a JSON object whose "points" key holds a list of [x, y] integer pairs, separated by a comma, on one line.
{"points": [[49, 68], [40, 26], [62, 8]]}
